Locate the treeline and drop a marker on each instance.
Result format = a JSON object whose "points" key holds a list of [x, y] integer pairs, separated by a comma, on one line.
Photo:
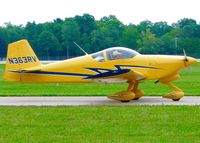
{"points": [[54, 40]]}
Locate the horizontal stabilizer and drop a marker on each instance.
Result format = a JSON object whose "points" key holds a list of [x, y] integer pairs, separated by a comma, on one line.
{"points": [[32, 69]]}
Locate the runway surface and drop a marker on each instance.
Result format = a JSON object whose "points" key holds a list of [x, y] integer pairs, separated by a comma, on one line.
{"points": [[78, 101]]}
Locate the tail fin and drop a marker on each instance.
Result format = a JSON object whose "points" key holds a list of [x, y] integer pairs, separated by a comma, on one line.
{"points": [[20, 57]]}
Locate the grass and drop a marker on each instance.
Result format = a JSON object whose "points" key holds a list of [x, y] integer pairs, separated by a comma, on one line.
{"points": [[106, 124], [100, 124], [190, 83]]}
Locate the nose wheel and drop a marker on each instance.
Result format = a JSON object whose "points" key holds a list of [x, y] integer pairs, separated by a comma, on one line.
{"points": [[176, 95]]}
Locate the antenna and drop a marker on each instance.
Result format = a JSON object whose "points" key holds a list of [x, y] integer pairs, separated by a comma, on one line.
{"points": [[80, 48], [176, 44]]}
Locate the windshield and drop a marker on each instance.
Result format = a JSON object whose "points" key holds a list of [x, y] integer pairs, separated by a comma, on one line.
{"points": [[118, 53], [98, 56]]}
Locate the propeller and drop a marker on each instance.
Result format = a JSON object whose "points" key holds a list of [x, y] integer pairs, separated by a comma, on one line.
{"points": [[185, 58]]}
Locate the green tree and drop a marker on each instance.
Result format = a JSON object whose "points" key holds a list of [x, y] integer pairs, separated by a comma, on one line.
{"points": [[14, 32], [148, 43], [130, 36], [160, 28], [86, 23], [191, 46], [32, 32], [144, 25], [113, 29], [100, 39], [168, 42], [49, 45], [70, 33], [4, 39], [185, 22], [53, 39]]}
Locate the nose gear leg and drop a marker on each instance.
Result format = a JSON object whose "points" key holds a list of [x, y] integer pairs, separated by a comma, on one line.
{"points": [[176, 95]]}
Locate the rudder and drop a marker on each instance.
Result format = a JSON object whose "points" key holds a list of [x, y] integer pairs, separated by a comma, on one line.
{"points": [[20, 56]]}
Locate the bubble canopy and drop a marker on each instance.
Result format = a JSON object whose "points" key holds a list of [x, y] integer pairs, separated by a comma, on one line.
{"points": [[115, 53]]}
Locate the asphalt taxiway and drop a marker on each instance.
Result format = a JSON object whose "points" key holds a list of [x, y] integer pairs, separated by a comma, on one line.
{"points": [[92, 100]]}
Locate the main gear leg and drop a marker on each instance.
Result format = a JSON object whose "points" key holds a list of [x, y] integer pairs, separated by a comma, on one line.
{"points": [[124, 96], [138, 92], [132, 93]]}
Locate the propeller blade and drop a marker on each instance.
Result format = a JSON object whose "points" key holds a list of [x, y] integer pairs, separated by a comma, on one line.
{"points": [[185, 59]]}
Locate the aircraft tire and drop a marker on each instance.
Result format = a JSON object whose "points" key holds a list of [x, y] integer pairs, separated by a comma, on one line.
{"points": [[176, 99], [136, 98], [125, 101]]}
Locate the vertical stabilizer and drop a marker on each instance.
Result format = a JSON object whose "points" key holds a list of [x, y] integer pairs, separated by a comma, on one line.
{"points": [[20, 56]]}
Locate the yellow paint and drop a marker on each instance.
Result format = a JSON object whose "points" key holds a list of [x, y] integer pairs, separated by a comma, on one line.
{"points": [[22, 65]]}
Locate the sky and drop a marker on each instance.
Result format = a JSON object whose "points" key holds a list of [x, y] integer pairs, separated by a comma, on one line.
{"points": [[128, 11]]}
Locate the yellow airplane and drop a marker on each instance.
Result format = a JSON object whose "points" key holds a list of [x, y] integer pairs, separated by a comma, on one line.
{"points": [[115, 64]]}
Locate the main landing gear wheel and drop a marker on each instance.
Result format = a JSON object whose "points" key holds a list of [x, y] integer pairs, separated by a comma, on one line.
{"points": [[176, 99], [138, 93], [136, 98], [125, 101], [132, 93], [123, 96]]}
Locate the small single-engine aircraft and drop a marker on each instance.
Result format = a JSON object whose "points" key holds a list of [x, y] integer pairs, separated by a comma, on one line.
{"points": [[115, 64]]}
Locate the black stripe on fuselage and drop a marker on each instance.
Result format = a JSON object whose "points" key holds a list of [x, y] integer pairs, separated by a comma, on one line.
{"points": [[132, 66], [52, 73]]}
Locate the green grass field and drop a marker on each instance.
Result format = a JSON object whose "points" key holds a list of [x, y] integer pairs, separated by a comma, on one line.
{"points": [[101, 124], [190, 83]]}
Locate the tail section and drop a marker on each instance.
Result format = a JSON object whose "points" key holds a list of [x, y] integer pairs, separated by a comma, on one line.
{"points": [[20, 57]]}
